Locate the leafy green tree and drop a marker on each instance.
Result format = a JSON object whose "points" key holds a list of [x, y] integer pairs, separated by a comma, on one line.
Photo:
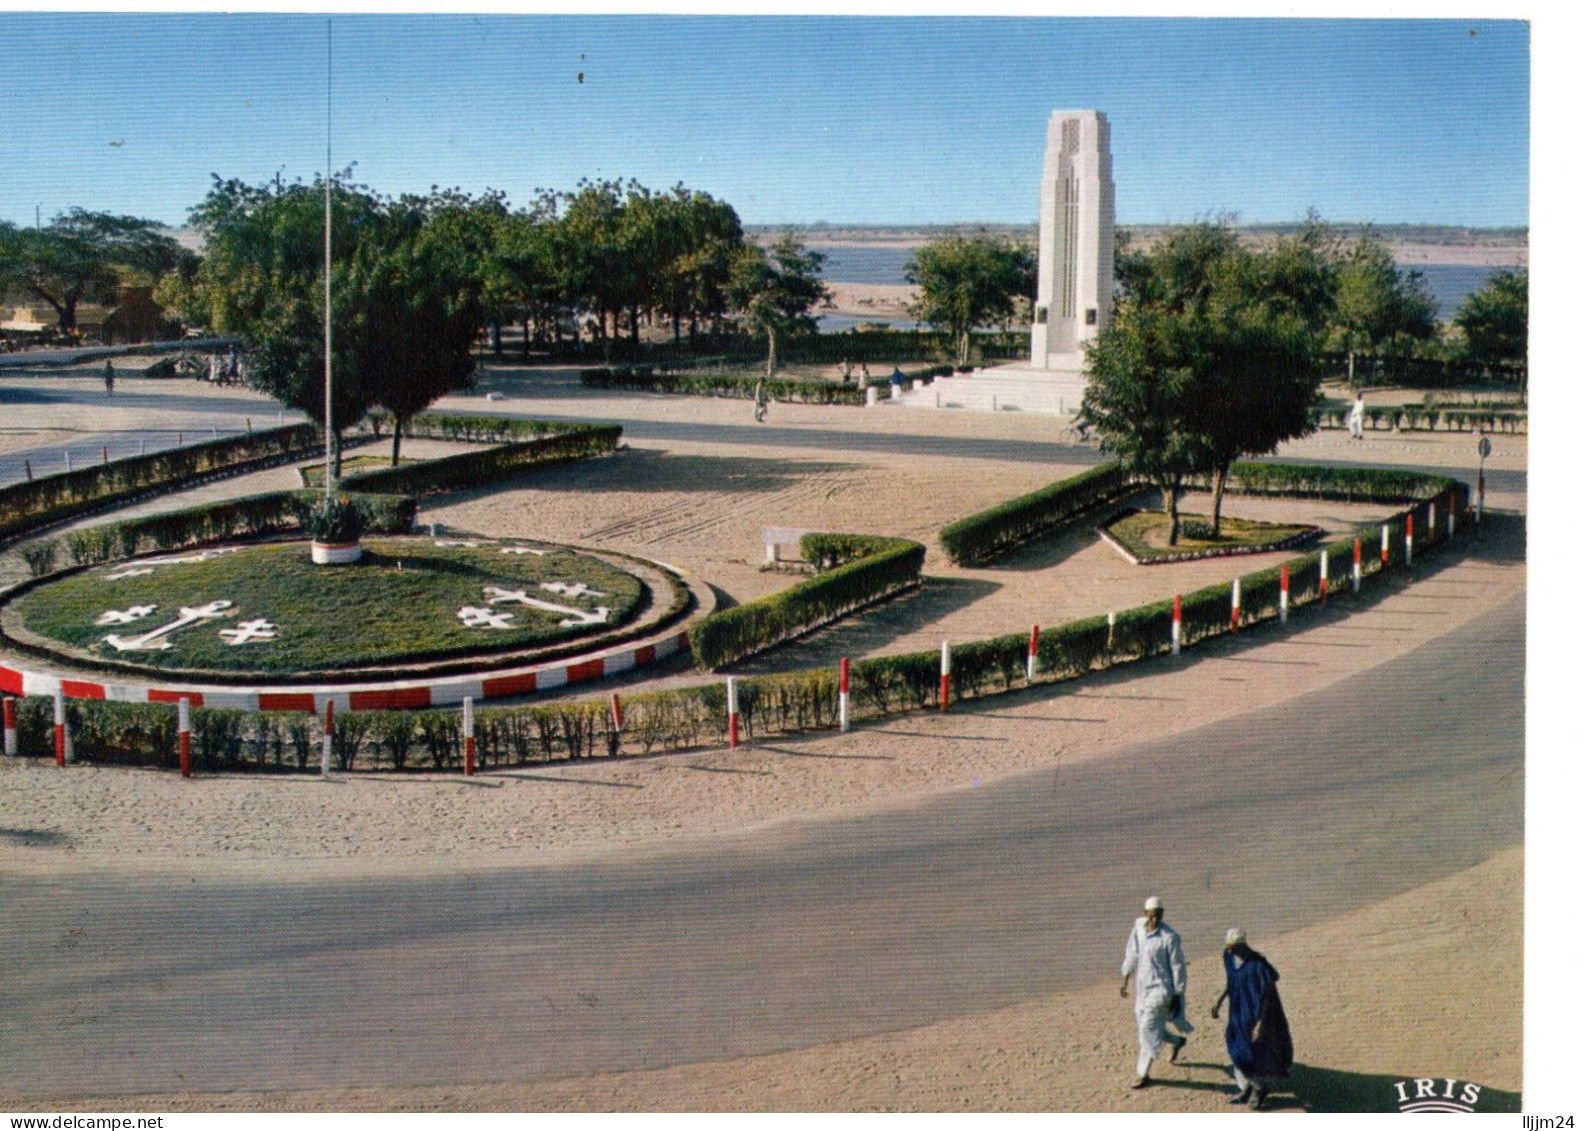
{"points": [[405, 296], [593, 258], [775, 291], [1140, 397], [1376, 305], [1496, 319], [1211, 356], [964, 283], [83, 256]]}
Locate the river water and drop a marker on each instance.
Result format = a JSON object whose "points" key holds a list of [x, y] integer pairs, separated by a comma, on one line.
{"points": [[888, 264]]}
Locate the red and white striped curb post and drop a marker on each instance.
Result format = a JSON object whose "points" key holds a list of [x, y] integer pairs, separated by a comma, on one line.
{"points": [[732, 722], [1408, 539], [1451, 521], [330, 726], [1282, 597], [467, 736], [1177, 624], [1386, 543], [616, 712], [1237, 599], [842, 695], [1034, 652], [60, 728], [184, 738], [946, 674], [11, 727], [1358, 569], [1111, 629], [1325, 554], [1430, 524]]}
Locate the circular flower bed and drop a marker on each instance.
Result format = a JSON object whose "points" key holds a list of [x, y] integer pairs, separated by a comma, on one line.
{"points": [[267, 610]]}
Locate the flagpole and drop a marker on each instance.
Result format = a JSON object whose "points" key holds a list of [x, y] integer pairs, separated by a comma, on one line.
{"points": [[329, 464]]}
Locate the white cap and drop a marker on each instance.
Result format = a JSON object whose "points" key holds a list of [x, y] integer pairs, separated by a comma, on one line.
{"points": [[1235, 935], [1153, 903]]}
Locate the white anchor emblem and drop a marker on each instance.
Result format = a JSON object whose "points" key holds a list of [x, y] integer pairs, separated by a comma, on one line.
{"points": [[125, 616], [155, 641], [248, 631], [142, 568], [474, 617]]}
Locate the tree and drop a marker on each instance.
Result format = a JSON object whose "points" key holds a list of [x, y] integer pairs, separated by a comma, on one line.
{"points": [[1377, 306], [83, 256], [1260, 344], [1496, 319], [964, 283], [1139, 395], [419, 290], [775, 290], [1211, 356], [404, 292]]}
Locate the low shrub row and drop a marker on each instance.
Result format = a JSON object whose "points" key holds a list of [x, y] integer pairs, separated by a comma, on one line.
{"points": [[690, 717], [866, 569], [645, 379], [707, 384], [470, 469], [24, 507], [250, 516], [983, 537], [462, 427], [1412, 418], [1341, 484]]}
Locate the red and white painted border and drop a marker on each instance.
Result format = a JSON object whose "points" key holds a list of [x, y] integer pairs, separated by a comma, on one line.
{"points": [[439, 692]]}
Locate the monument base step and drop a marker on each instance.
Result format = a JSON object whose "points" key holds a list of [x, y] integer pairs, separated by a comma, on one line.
{"points": [[1007, 388]]}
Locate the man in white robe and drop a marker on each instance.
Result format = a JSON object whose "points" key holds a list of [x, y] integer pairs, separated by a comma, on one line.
{"points": [[1153, 956]]}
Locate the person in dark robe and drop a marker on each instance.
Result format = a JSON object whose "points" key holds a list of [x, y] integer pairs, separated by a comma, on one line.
{"points": [[1258, 1040]]}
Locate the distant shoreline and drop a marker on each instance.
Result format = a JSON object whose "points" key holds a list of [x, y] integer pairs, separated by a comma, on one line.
{"points": [[1410, 245]]}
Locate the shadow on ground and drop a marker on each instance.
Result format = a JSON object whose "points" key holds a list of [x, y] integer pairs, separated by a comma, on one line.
{"points": [[1315, 1088]]}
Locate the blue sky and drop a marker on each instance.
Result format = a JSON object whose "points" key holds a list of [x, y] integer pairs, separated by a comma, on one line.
{"points": [[790, 119]]}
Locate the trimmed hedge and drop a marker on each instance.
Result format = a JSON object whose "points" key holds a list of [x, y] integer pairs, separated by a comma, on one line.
{"points": [[475, 429], [1417, 418], [983, 537], [24, 507], [1340, 484], [250, 516], [871, 568], [689, 717], [559, 444], [646, 379]]}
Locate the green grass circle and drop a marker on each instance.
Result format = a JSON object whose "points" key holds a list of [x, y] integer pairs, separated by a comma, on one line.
{"points": [[399, 604]]}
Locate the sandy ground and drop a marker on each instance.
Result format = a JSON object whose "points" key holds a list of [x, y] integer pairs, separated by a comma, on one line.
{"points": [[1347, 984], [699, 501]]}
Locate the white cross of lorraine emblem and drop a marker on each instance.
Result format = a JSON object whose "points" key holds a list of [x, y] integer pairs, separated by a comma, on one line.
{"points": [[498, 596], [248, 631], [474, 617], [577, 589], [155, 641], [125, 616]]}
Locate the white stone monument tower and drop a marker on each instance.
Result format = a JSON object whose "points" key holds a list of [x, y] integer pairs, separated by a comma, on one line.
{"points": [[1074, 298], [1077, 214]]}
